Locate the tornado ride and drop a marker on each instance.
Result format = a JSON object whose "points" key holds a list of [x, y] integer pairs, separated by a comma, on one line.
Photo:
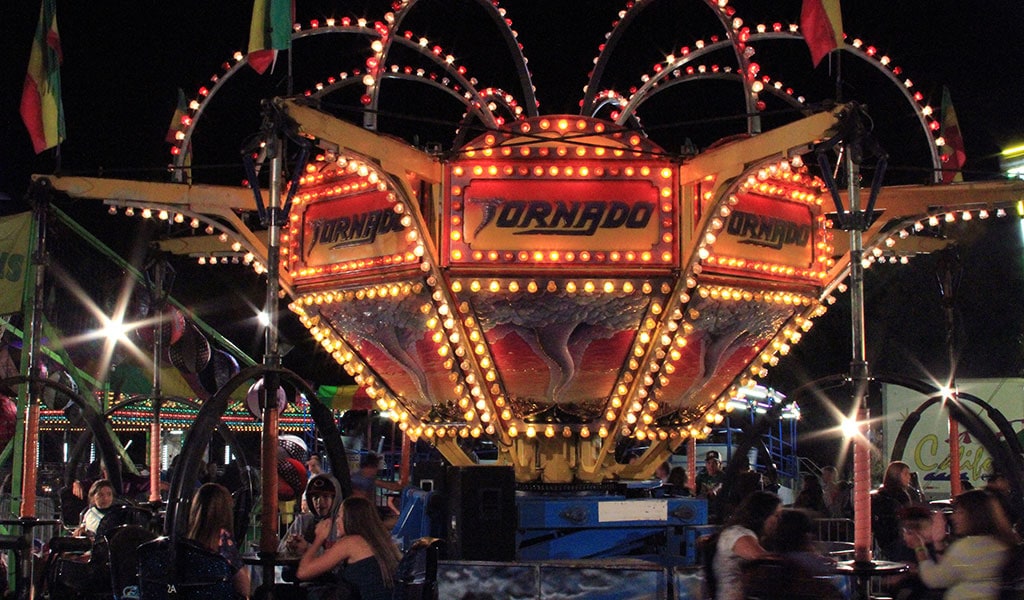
{"points": [[559, 284]]}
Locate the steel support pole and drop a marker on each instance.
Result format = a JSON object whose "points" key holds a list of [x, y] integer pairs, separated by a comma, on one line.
{"points": [[954, 458], [157, 392], [859, 373], [272, 361]]}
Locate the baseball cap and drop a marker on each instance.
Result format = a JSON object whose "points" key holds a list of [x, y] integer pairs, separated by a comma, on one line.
{"points": [[320, 485], [712, 454]]}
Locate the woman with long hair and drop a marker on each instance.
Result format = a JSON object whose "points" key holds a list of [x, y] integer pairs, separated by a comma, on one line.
{"points": [[971, 566], [210, 522], [364, 550], [886, 504], [739, 541]]}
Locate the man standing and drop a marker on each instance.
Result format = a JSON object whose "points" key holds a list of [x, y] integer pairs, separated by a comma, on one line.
{"points": [[709, 480], [313, 465], [708, 484]]}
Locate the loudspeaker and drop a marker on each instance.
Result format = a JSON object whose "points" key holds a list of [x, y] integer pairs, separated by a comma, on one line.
{"points": [[429, 476], [481, 513]]}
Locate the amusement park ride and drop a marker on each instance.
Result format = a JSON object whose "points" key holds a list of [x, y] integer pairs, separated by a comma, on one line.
{"points": [[558, 284]]}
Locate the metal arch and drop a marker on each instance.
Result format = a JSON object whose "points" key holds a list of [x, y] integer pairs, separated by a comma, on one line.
{"points": [[753, 121], [697, 77], [641, 95], [462, 129], [208, 419], [848, 47], [491, 8], [929, 389], [1002, 425], [446, 67], [1000, 452], [93, 419], [225, 432], [604, 57], [179, 159], [1009, 454], [337, 85]]}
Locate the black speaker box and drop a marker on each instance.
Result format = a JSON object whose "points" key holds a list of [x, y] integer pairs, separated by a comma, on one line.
{"points": [[481, 513]]}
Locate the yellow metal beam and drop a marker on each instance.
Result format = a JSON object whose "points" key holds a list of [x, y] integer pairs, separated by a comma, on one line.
{"points": [[395, 156], [207, 199], [223, 202], [905, 204], [730, 160]]}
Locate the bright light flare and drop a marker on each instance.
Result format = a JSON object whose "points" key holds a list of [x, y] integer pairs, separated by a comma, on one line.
{"points": [[849, 427], [115, 329], [263, 318]]}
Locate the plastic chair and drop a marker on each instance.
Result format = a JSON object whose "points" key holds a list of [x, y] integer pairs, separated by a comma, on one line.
{"points": [[183, 570]]}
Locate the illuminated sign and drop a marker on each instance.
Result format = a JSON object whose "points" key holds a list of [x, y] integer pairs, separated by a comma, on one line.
{"points": [[762, 231], [590, 221], [350, 233]]}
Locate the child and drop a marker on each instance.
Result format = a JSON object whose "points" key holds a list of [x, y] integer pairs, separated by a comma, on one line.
{"points": [[101, 498]]}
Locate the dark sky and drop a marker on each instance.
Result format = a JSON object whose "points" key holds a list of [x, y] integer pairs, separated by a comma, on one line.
{"points": [[124, 61]]}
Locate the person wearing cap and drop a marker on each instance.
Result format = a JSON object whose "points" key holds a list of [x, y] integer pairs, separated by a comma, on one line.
{"points": [[709, 480], [323, 497]]}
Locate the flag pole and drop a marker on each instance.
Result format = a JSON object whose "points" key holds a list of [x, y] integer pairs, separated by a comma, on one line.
{"points": [[839, 75]]}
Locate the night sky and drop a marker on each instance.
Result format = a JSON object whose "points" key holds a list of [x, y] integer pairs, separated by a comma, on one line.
{"points": [[123, 64]]}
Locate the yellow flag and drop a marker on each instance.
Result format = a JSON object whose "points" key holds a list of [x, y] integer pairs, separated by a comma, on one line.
{"points": [[14, 257]]}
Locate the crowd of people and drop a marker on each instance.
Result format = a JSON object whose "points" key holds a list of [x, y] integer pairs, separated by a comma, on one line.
{"points": [[342, 546], [765, 549]]}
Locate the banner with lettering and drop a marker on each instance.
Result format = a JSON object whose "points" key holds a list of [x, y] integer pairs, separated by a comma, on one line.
{"points": [[14, 257], [927, 448]]}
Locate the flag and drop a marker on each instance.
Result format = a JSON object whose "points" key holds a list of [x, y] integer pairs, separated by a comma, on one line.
{"points": [[176, 124], [953, 155], [821, 22], [271, 30], [41, 107], [344, 397], [15, 233]]}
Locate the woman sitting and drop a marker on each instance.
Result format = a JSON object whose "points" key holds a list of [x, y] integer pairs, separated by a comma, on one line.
{"points": [[799, 571], [970, 568], [740, 541], [210, 522], [364, 551]]}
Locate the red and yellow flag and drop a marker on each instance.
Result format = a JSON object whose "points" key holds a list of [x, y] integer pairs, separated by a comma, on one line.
{"points": [[953, 156], [177, 125], [821, 22], [41, 106], [270, 31]]}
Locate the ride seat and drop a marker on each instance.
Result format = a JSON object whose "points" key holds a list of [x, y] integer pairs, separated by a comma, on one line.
{"points": [[183, 570], [416, 576], [123, 546], [1012, 576]]}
